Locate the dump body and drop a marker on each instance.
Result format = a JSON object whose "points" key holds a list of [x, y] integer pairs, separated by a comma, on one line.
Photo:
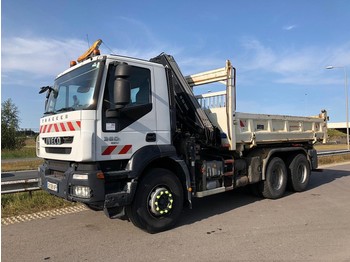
{"points": [[257, 129]]}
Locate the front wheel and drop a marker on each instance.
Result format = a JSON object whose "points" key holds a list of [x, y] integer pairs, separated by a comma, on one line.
{"points": [[158, 201], [275, 183]]}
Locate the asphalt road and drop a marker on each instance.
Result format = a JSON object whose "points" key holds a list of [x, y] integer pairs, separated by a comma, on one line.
{"points": [[18, 175], [234, 226]]}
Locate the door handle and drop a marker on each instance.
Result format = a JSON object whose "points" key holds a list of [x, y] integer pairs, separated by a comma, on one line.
{"points": [[151, 137]]}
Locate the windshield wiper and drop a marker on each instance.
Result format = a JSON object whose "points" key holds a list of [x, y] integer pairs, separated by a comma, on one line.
{"points": [[49, 113], [65, 109]]}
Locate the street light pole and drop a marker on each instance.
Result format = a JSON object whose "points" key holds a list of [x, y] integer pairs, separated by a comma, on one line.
{"points": [[347, 101], [347, 107]]}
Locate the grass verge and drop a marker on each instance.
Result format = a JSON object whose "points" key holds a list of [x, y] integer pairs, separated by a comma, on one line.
{"points": [[331, 147], [24, 152], [326, 160], [21, 165], [28, 151], [27, 203]]}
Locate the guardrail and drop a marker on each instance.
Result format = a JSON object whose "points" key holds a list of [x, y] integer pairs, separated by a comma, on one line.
{"points": [[28, 185], [23, 185], [330, 153]]}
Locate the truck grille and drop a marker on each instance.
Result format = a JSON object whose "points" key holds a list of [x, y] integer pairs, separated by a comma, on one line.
{"points": [[58, 150], [57, 174]]}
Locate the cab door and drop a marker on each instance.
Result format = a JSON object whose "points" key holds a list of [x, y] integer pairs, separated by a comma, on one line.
{"points": [[133, 126]]}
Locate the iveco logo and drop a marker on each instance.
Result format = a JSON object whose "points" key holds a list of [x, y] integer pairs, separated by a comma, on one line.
{"points": [[53, 140]]}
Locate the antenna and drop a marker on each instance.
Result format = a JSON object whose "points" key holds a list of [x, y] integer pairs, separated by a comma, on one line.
{"points": [[108, 47]]}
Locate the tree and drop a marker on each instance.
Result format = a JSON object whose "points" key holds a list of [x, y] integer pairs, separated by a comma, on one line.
{"points": [[10, 126]]}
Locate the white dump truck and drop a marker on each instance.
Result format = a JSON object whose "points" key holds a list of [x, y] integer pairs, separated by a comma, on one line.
{"points": [[129, 137]]}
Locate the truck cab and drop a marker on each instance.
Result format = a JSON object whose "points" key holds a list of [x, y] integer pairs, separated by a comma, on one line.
{"points": [[83, 129]]}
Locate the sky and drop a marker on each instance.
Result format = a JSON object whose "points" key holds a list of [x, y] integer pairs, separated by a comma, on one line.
{"points": [[280, 48]]}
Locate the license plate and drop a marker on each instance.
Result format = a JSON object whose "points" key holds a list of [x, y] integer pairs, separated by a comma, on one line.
{"points": [[52, 186]]}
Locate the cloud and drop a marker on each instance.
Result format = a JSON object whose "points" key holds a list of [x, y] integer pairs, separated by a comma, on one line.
{"points": [[35, 57], [39, 56], [289, 27], [135, 38], [304, 66], [257, 55], [339, 56]]}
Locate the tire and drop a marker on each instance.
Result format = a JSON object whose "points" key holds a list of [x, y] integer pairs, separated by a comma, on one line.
{"points": [[275, 182], [299, 173], [158, 201]]}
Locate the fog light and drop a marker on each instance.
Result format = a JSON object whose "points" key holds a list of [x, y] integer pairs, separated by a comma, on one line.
{"points": [[82, 191]]}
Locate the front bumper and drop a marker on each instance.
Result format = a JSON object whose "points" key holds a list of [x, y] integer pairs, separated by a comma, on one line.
{"points": [[57, 179], [113, 189]]}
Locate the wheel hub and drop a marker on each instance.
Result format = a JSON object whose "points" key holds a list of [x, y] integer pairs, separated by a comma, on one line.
{"points": [[301, 173], [161, 201], [277, 178]]}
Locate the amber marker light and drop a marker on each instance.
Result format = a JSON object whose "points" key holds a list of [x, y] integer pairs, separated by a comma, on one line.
{"points": [[100, 175], [96, 52], [72, 63]]}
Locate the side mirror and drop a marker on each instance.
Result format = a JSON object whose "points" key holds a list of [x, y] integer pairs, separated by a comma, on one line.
{"points": [[122, 88], [49, 89]]}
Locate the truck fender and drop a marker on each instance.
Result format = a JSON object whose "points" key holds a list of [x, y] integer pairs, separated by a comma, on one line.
{"points": [[156, 156], [278, 151], [142, 158]]}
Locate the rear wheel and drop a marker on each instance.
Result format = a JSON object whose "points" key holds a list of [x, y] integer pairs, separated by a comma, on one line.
{"points": [[275, 183], [158, 201], [299, 173]]}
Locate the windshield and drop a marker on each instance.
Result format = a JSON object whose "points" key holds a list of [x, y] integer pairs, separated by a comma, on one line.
{"points": [[74, 90]]}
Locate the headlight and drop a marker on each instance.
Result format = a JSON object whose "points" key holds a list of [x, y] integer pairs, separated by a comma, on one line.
{"points": [[82, 191]]}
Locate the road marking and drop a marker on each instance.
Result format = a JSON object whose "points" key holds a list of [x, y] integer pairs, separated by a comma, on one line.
{"points": [[44, 214]]}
